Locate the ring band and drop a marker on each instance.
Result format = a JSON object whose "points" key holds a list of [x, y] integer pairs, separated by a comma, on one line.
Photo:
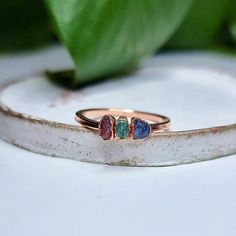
{"points": [[122, 123]]}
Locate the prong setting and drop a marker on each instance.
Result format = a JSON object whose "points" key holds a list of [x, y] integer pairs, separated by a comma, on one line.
{"points": [[112, 128]]}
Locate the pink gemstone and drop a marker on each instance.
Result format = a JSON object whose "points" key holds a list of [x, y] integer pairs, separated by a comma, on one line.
{"points": [[106, 127], [106, 134]]}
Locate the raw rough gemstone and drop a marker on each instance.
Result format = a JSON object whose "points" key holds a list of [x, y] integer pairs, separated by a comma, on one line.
{"points": [[122, 128], [141, 129], [106, 128]]}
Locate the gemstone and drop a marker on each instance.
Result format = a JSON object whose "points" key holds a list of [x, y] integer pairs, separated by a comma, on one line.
{"points": [[122, 128], [141, 129], [106, 127]]}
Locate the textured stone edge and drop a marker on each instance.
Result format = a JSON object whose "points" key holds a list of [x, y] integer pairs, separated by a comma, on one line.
{"points": [[77, 143]]}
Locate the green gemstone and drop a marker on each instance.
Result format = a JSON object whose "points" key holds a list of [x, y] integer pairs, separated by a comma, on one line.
{"points": [[122, 128]]}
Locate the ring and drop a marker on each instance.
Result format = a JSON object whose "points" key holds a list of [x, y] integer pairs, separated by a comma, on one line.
{"points": [[122, 123]]}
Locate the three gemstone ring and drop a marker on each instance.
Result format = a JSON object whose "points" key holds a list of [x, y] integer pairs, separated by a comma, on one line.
{"points": [[122, 123]]}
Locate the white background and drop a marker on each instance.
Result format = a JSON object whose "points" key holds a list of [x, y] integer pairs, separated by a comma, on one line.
{"points": [[48, 196]]}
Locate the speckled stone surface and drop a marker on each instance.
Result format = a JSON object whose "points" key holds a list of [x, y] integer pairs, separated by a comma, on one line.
{"points": [[39, 116], [60, 194]]}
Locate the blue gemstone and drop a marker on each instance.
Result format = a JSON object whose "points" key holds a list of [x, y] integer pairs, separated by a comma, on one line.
{"points": [[141, 129]]}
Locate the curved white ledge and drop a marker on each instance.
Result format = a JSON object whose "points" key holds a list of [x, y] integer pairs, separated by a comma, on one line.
{"points": [[39, 117]]}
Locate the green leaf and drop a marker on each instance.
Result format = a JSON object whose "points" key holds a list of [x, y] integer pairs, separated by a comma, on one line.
{"points": [[24, 24], [107, 36], [232, 19], [201, 26]]}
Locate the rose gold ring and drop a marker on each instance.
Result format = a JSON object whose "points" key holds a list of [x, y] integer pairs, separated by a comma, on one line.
{"points": [[122, 123]]}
